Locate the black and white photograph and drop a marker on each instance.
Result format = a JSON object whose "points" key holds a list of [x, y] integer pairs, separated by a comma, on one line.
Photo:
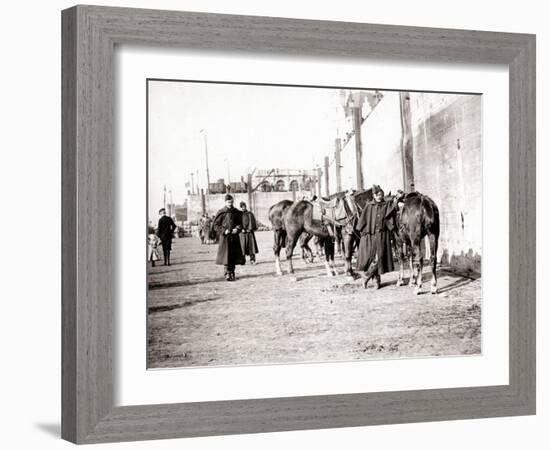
{"points": [[293, 224]]}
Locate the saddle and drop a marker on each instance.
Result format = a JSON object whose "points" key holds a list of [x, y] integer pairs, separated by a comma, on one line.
{"points": [[334, 210]]}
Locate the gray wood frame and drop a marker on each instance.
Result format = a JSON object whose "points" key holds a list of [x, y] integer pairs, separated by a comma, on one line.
{"points": [[89, 36]]}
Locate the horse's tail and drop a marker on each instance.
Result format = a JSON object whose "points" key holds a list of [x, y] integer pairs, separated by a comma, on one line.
{"points": [[432, 214]]}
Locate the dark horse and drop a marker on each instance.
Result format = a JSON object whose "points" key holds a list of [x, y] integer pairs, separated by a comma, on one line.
{"points": [[290, 220], [418, 217]]}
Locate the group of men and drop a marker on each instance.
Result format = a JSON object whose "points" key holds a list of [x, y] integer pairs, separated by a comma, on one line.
{"points": [[376, 225], [235, 228]]}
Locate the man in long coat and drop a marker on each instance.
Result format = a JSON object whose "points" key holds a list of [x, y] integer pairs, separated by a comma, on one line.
{"points": [[376, 226], [248, 239], [165, 232], [228, 224]]}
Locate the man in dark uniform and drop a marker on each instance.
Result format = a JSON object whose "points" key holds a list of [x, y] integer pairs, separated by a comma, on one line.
{"points": [[248, 239], [228, 224], [165, 232], [376, 226]]}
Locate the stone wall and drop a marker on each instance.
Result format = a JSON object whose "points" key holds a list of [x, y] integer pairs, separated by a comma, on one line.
{"points": [[448, 167], [447, 159]]}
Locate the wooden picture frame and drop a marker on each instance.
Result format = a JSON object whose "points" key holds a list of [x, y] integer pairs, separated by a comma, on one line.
{"points": [[89, 37]]}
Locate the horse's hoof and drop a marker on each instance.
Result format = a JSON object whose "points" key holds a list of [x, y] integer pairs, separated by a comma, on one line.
{"points": [[279, 274], [433, 290], [417, 291], [400, 283], [294, 279]]}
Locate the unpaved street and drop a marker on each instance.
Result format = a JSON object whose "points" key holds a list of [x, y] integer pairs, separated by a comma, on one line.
{"points": [[196, 318]]}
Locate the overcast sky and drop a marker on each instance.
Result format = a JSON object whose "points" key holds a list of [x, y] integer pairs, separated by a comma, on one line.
{"points": [[247, 127]]}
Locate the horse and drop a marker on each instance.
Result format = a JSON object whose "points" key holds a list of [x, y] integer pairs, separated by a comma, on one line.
{"points": [[417, 217], [289, 221], [343, 214]]}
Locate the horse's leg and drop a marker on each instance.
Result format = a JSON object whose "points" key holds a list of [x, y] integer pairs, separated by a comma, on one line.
{"points": [[318, 246], [303, 245], [418, 263], [401, 253], [328, 245], [411, 256], [277, 245], [339, 240], [292, 240], [433, 261], [349, 242], [307, 249]]}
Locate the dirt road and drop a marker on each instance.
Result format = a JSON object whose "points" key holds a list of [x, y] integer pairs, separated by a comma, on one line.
{"points": [[196, 318]]}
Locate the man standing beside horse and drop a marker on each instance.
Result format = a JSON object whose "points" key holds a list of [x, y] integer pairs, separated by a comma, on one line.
{"points": [[376, 226], [228, 224], [248, 239]]}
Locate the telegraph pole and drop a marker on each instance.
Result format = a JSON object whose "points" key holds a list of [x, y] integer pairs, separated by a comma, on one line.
{"points": [[228, 171], [337, 162], [203, 131], [356, 111], [319, 175], [171, 207], [406, 142], [354, 102], [164, 198], [192, 184], [249, 190], [326, 177]]}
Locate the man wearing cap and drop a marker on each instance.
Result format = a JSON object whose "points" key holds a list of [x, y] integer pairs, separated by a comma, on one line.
{"points": [[165, 232], [248, 239], [376, 226], [228, 224]]}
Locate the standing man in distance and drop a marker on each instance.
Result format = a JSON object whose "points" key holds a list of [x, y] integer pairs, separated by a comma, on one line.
{"points": [[248, 239], [165, 232], [228, 224]]}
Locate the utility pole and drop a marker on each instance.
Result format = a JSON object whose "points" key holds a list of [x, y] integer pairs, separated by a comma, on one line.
{"points": [[164, 198], [319, 175], [228, 171], [356, 111], [171, 204], [354, 103], [326, 177], [249, 190], [338, 163], [203, 202], [203, 131], [192, 184], [406, 142]]}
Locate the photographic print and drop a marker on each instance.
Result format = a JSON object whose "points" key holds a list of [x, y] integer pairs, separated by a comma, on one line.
{"points": [[296, 224]]}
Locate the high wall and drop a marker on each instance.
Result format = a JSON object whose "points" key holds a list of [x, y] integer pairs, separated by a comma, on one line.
{"points": [[381, 136], [381, 144], [261, 202], [447, 162], [447, 167]]}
